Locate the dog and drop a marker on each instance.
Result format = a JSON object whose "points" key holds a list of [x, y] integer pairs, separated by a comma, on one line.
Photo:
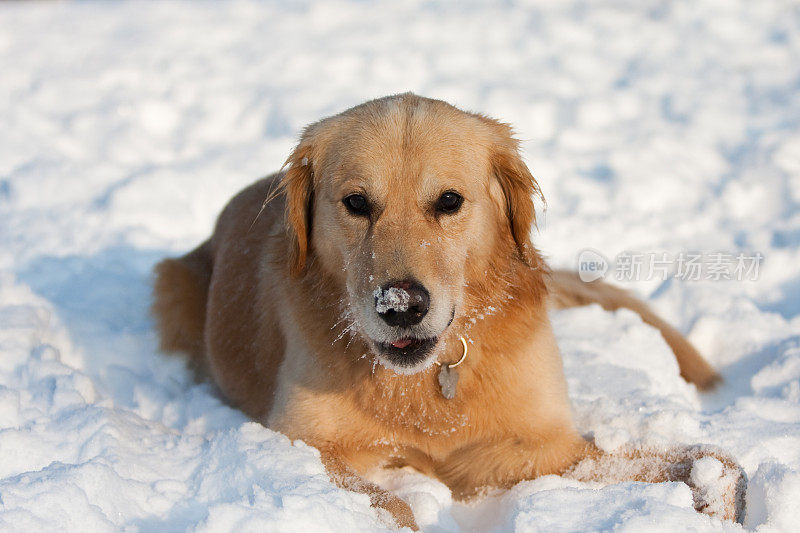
{"points": [[380, 299]]}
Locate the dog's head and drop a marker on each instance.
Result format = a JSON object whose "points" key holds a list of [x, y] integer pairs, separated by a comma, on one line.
{"points": [[405, 201]]}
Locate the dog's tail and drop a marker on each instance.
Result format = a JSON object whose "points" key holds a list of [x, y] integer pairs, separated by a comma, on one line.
{"points": [[567, 290], [179, 305]]}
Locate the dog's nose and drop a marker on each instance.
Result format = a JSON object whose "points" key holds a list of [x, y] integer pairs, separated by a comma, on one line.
{"points": [[402, 303]]}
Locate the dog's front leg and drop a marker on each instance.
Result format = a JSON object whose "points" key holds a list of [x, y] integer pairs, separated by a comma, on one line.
{"points": [[346, 477], [717, 482]]}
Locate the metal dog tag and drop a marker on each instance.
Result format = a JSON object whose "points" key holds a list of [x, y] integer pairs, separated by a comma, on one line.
{"points": [[448, 379]]}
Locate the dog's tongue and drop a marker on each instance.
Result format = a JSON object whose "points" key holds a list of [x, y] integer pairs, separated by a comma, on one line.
{"points": [[402, 343]]}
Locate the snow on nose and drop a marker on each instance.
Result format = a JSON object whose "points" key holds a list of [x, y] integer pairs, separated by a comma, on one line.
{"points": [[391, 299]]}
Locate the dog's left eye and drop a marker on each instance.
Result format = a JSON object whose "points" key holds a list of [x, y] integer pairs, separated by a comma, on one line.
{"points": [[449, 202]]}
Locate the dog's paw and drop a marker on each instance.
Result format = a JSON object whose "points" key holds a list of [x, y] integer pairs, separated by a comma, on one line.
{"points": [[718, 486], [399, 509]]}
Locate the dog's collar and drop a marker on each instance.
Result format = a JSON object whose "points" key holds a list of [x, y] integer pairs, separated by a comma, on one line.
{"points": [[463, 356]]}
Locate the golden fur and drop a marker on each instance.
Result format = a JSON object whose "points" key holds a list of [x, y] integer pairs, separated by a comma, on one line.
{"points": [[275, 306]]}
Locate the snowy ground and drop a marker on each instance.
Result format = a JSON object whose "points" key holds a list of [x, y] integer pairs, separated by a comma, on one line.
{"points": [[652, 126]]}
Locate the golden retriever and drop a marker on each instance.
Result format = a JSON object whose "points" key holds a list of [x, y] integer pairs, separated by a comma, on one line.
{"points": [[395, 245]]}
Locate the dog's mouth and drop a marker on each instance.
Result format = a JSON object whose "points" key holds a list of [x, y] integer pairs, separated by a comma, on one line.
{"points": [[406, 354]]}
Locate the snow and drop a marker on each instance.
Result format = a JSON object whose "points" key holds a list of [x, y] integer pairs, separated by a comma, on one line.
{"points": [[652, 127], [393, 298]]}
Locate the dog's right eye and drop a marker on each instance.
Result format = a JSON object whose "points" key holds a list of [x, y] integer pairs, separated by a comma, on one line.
{"points": [[356, 204]]}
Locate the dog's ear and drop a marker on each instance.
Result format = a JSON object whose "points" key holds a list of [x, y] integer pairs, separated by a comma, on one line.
{"points": [[298, 186], [519, 188]]}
